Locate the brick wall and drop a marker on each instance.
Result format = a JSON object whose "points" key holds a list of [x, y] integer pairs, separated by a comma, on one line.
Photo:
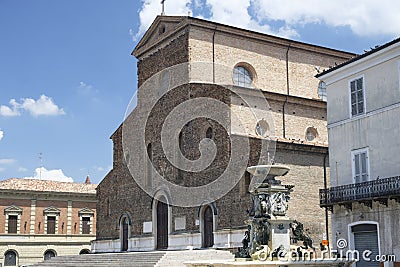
{"points": [[267, 59], [76, 207], [25, 216], [118, 193], [174, 53]]}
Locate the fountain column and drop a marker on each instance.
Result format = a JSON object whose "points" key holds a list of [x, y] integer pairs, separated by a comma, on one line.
{"points": [[269, 226]]}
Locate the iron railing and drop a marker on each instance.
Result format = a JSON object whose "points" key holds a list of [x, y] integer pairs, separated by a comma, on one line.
{"points": [[366, 191]]}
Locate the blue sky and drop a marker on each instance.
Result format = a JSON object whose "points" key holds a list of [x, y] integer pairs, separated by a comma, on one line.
{"points": [[67, 76]]}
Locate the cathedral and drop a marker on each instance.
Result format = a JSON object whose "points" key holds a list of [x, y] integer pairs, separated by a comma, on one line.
{"points": [[212, 91]]}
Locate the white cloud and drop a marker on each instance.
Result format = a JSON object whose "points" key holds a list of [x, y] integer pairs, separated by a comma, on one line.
{"points": [[44, 106], [364, 17], [98, 168], [12, 111], [22, 169], [226, 12], [151, 8], [1, 134], [86, 88], [54, 175], [7, 161]]}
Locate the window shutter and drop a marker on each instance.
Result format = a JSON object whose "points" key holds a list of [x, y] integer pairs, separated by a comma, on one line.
{"points": [[12, 224]]}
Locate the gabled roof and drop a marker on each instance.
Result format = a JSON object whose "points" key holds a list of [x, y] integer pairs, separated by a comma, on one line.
{"points": [[151, 33], [371, 52], [46, 186], [151, 38]]}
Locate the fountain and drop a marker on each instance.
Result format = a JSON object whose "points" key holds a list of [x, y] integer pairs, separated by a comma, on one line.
{"points": [[267, 241]]}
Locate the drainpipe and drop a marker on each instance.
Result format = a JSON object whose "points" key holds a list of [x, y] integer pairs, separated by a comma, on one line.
{"points": [[213, 53], [326, 202], [288, 91]]}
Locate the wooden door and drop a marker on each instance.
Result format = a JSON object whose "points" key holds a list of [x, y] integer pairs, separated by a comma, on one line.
{"points": [[162, 225], [125, 229], [208, 228]]}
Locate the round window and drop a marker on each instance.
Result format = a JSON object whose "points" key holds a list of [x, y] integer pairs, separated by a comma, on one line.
{"points": [[311, 134], [242, 76], [262, 128]]}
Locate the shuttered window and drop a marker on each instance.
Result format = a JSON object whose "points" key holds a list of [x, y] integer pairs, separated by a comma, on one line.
{"points": [[85, 225], [12, 224], [360, 166], [51, 225], [357, 97]]}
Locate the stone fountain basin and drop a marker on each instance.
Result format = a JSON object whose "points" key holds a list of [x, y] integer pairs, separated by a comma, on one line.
{"points": [[270, 170]]}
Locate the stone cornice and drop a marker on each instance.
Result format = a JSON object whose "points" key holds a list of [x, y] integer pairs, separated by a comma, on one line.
{"points": [[273, 96], [184, 21], [38, 195]]}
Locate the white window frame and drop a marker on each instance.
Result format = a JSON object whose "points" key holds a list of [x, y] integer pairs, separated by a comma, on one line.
{"points": [[51, 212], [88, 213], [353, 165], [350, 234], [364, 98], [13, 211], [322, 92]]}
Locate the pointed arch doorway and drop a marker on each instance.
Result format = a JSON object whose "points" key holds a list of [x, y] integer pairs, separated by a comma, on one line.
{"points": [[162, 224], [208, 227], [124, 233]]}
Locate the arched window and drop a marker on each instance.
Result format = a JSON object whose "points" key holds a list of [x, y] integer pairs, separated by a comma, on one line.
{"points": [[311, 134], [10, 258], [242, 76], [209, 133], [49, 254], [322, 90]]}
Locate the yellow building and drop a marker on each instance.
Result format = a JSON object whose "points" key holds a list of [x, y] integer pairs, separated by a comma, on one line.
{"points": [[41, 219]]}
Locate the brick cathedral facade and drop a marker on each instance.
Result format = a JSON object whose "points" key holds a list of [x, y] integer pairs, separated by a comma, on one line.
{"points": [[130, 219]]}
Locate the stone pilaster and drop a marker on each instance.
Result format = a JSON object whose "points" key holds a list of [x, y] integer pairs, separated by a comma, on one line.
{"points": [[69, 217], [33, 217]]}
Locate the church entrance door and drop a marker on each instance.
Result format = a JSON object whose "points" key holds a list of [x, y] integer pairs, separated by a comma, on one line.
{"points": [[208, 228], [125, 229], [162, 225]]}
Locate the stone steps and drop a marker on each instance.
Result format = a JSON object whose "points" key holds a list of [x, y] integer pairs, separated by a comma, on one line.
{"points": [[177, 258], [137, 259], [134, 259]]}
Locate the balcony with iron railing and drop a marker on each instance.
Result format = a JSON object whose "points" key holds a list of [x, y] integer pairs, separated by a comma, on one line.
{"points": [[380, 190]]}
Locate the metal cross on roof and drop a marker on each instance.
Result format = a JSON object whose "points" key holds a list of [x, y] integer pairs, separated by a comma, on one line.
{"points": [[163, 6]]}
